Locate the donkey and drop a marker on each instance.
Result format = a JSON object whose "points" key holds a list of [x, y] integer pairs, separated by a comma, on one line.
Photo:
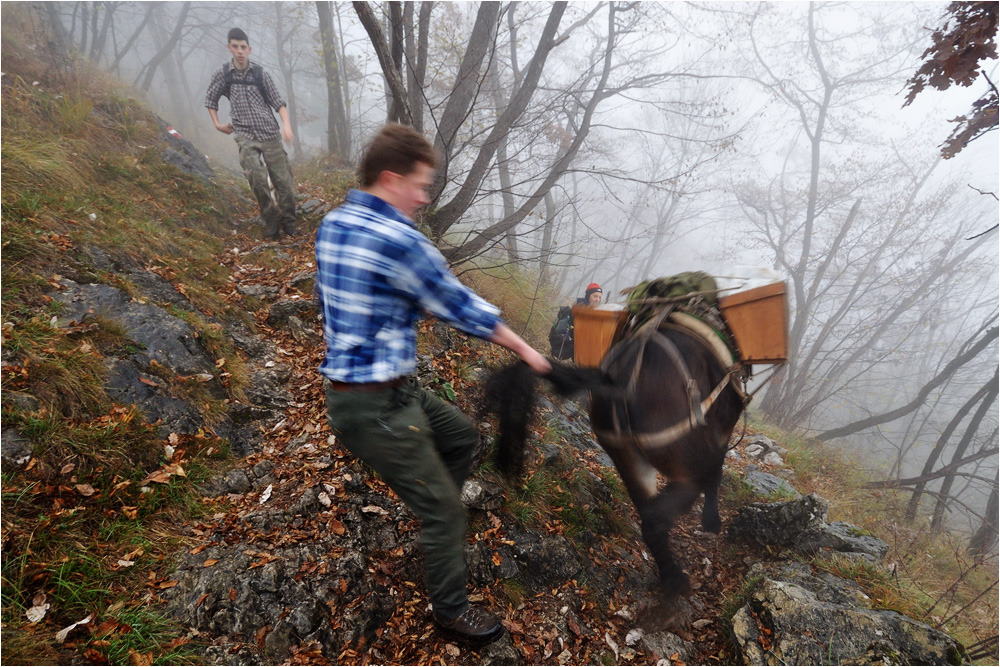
{"points": [[647, 411]]}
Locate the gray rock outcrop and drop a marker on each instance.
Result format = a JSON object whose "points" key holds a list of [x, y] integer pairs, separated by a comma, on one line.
{"points": [[15, 450], [797, 618], [163, 345], [183, 154], [161, 337], [801, 526]]}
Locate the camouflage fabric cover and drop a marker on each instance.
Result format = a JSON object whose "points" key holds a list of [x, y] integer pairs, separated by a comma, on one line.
{"points": [[692, 292], [672, 289]]}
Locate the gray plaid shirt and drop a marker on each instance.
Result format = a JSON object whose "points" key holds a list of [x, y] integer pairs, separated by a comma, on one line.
{"points": [[250, 111]]}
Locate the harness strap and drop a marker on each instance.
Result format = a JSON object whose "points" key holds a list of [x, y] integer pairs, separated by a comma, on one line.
{"points": [[695, 413], [697, 407], [664, 437]]}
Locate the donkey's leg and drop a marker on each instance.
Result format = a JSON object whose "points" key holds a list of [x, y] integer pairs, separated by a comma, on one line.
{"points": [[710, 519], [658, 517]]}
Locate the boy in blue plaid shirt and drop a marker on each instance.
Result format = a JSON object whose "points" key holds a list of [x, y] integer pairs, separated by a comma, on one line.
{"points": [[377, 275]]}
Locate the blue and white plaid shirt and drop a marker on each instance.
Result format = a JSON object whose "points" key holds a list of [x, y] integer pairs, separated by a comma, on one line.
{"points": [[377, 275]]}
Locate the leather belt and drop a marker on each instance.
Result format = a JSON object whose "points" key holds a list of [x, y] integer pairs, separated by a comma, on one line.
{"points": [[365, 386]]}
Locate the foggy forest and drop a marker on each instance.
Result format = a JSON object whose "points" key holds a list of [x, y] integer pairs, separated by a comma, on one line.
{"points": [[740, 147], [615, 142]]}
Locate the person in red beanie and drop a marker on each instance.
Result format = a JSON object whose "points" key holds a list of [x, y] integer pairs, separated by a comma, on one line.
{"points": [[561, 333], [592, 297]]}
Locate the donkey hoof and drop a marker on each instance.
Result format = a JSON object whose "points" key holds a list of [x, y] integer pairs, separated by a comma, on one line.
{"points": [[711, 524], [675, 584]]}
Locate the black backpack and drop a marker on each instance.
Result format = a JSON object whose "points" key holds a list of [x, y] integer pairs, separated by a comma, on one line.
{"points": [[256, 79], [561, 334]]}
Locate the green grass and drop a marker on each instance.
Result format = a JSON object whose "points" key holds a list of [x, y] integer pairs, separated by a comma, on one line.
{"points": [[878, 582], [734, 491], [72, 110], [564, 496], [523, 302], [146, 632], [514, 592], [735, 599], [82, 168]]}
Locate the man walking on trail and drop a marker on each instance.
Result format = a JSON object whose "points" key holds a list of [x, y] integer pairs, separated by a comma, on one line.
{"points": [[377, 275], [252, 97]]}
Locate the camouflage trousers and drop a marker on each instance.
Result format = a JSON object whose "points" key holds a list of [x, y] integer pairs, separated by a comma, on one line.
{"points": [[260, 159]]}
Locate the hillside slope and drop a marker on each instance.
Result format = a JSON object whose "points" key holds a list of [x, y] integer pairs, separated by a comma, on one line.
{"points": [[171, 490]]}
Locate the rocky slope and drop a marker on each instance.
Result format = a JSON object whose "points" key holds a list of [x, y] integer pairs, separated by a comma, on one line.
{"points": [[310, 558], [304, 556]]}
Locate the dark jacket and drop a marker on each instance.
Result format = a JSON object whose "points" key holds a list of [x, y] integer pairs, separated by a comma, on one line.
{"points": [[561, 333]]}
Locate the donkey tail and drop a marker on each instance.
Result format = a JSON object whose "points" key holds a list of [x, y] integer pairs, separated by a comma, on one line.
{"points": [[511, 395]]}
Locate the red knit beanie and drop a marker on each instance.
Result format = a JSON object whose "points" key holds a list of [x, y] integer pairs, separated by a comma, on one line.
{"points": [[591, 289]]}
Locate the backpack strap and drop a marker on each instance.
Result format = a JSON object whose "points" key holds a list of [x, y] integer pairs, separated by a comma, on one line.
{"points": [[256, 79]]}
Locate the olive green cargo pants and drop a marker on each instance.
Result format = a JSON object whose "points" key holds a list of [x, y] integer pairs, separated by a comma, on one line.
{"points": [[423, 448], [275, 163]]}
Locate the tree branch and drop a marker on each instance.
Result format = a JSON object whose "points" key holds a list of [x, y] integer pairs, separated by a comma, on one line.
{"points": [[921, 397]]}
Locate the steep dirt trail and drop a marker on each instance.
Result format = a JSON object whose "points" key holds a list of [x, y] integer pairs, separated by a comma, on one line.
{"points": [[715, 567]]}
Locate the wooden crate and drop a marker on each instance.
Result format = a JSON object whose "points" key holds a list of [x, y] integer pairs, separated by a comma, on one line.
{"points": [[593, 331], [758, 320]]}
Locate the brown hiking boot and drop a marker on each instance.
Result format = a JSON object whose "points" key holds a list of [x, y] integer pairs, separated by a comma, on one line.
{"points": [[475, 625]]}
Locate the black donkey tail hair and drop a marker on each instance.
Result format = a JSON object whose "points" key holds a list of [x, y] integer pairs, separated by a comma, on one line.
{"points": [[511, 394]]}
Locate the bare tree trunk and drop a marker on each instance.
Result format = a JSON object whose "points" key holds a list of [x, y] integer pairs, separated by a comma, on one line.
{"points": [[465, 88], [935, 454], [947, 372], [170, 44], [783, 399], [970, 431], [97, 47], [949, 469], [287, 75], [174, 105], [559, 284], [345, 84], [503, 165], [447, 215], [94, 6], [176, 60], [72, 23], [396, 49], [84, 20], [986, 536], [60, 43], [399, 108], [663, 219], [414, 94], [545, 253], [338, 140], [416, 59], [135, 35]]}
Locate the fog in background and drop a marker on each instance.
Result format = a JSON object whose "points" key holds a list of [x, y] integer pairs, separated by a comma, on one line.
{"points": [[620, 142]]}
